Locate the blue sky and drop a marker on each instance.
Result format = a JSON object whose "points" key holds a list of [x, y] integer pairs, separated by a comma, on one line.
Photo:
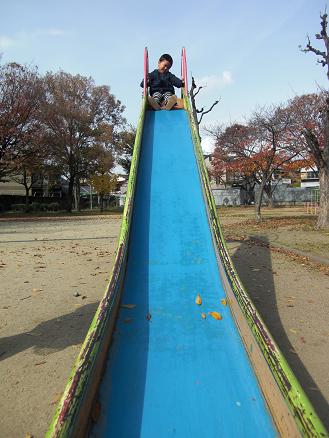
{"points": [[246, 52]]}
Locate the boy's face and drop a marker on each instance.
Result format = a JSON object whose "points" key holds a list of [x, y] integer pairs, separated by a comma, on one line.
{"points": [[164, 66]]}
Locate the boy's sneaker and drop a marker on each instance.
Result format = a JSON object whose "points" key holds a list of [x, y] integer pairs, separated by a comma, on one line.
{"points": [[170, 102], [153, 103]]}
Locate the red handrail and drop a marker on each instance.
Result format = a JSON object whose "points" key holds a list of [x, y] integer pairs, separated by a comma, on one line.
{"points": [[146, 69], [184, 71]]}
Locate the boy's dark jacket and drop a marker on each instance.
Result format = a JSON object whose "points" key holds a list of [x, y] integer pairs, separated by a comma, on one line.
{"points": [[162, 82]]}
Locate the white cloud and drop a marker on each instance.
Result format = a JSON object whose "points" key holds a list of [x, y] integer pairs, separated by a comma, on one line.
{"points": [[22, 38], [56, 32], [207, 144], [215, 82], [51, 32], [6, 42]]}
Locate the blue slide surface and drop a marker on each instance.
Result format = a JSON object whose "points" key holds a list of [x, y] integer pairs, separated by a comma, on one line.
{"points": [[169, 371]]}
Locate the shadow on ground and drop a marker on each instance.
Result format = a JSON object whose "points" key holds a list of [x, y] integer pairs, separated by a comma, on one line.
{"points": [[257, 277], [50, 336]]}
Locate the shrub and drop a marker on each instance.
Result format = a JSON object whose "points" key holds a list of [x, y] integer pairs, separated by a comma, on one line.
{"points": [[35, 206], [18, 207], [53, 206]]}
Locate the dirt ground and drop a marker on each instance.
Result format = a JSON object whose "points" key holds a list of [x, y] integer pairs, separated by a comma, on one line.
{"points": [[284, 265], [54, 272], [43, 266]]}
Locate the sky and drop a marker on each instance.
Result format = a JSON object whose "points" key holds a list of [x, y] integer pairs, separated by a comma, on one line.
{"points": [[244, 52]]}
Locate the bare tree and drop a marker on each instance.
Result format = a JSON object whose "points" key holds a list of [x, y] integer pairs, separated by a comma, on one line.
{"points": [[101, 178], [321, 150], [125, 147], [21, 95], [198, 114], [275, 147], [77, 115], [257, 150], [29, 173]]}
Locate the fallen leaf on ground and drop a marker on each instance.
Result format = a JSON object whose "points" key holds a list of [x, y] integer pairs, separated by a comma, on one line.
{"points": [[203, 315], [215, 315], [128, 306], [25, 298], [198, 300], [223, 301], [293, 331]]}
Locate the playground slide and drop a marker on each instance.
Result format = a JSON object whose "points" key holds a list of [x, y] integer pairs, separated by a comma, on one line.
{"points": [[175, 366], [170, 372]]}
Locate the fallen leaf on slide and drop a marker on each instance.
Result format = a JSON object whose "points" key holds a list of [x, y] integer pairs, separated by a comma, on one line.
{"points": [[215, 315], [198, 300], [127, 320], [128, 306]]}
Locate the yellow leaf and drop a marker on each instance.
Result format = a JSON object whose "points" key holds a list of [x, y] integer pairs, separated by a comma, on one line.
{"points": [[198, 300], [215, 315], [203, 315], [223, 301]]}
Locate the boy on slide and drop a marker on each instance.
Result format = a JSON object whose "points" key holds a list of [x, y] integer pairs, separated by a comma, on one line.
{"points": [[162, 83]]}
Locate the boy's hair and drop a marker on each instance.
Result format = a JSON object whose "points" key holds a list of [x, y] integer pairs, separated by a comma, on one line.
{"points": [[166, 57]]}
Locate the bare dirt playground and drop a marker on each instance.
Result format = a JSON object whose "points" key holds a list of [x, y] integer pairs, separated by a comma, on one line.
{"points": [[54, 272]]}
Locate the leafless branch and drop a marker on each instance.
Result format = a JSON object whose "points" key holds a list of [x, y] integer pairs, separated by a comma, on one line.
{"points": [[198, 90], [203, 113], [323, 35], [310, 48]]}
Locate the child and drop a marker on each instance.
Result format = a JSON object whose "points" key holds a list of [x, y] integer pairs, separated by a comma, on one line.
{"points": [[161, 83]]}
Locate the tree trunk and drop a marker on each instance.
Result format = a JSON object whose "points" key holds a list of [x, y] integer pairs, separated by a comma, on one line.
{"points": [[70, 195], [27, 191], [77, 196], [269, 193], [27, 194], [270, 201], [323, 218], [195, 114], [259, 198], [102, 203]]}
